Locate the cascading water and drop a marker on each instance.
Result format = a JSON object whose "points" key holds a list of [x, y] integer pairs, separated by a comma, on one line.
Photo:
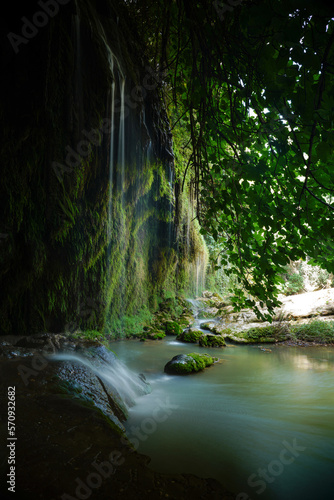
{"points": [[111, 153], [121, 136], [128, 385], [171, 207], [116, 230], [121, 180]]}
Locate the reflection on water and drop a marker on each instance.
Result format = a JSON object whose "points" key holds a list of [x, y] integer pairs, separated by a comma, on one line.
{"points": [[234, 420], [307, 362]]}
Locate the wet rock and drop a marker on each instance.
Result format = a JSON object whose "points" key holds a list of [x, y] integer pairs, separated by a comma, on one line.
{"points": [[183, 364], [208, 325], [190, 335], [211, 340], [46, 342]]}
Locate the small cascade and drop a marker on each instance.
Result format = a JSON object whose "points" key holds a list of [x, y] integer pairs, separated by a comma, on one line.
{"points": [[111, 371], [121, 188], [200, 275], [195, 307], [199, 312]]}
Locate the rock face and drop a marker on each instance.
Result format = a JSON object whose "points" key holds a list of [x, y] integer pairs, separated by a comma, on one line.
{"points": [[183, 364], [77, 252], [306, 305], [86, 371]]}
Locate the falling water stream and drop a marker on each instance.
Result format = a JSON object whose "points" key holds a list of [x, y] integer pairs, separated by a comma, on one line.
{"points": [[259, 422], [126, 382]]}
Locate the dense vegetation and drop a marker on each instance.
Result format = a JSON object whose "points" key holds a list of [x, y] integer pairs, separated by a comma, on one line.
{"points": [[246, 88], [252, 87], [90, 238]]}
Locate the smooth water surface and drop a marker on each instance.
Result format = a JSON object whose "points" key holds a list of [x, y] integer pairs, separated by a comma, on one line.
{"points": [[257, 413]]}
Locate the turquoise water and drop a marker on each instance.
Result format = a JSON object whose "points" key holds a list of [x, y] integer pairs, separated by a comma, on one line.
{"points": [[260, 422]]}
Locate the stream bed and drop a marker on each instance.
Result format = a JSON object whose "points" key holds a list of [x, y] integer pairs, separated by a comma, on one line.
{"points": [[261, 422]]}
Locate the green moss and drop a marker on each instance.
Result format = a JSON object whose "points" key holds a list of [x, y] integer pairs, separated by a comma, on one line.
{"points": [[202, 360], [67, 263], [190, 335], [211, 340], [172, 328], [151, 334], [259, 334], [225, 332], [89, 335], [189, 363]]}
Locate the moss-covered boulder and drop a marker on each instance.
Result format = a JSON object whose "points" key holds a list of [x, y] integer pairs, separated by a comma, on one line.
{"points": [[172, 328], [190, 335], [182, 364], [151, 334], [211, 340]]}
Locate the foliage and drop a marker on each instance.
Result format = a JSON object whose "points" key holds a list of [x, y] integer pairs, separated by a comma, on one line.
{"points": [[294, 280], [172, 328], [127, 326], [301, 277], [314, 331], [254, 89], [270, 333], [85, 248]]}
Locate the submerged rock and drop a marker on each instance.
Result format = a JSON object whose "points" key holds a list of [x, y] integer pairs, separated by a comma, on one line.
{"points": [[182, 364]]}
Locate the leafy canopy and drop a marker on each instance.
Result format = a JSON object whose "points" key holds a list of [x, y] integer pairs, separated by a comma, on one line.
{"points": [[253, 87]]}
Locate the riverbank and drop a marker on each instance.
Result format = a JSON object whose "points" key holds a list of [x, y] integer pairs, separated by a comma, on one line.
{"points": [[305, 319]]}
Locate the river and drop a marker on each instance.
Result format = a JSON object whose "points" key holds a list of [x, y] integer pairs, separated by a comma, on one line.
{"points": [[261, 422]]}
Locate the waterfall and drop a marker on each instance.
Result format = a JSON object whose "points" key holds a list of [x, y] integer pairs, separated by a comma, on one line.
{"points": [[170, 214], [111, 153], [116, 230], [127, 384], [121, 136]]}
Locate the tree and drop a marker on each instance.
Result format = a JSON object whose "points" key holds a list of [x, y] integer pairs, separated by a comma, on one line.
{"points": [[255, 88]]}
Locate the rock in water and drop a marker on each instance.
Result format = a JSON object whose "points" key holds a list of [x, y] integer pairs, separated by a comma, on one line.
{"points": [[182, 364], [211, 340], [190, 335]]}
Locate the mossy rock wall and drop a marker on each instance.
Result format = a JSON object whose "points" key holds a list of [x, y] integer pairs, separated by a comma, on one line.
{"points": [[70, 258]]}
